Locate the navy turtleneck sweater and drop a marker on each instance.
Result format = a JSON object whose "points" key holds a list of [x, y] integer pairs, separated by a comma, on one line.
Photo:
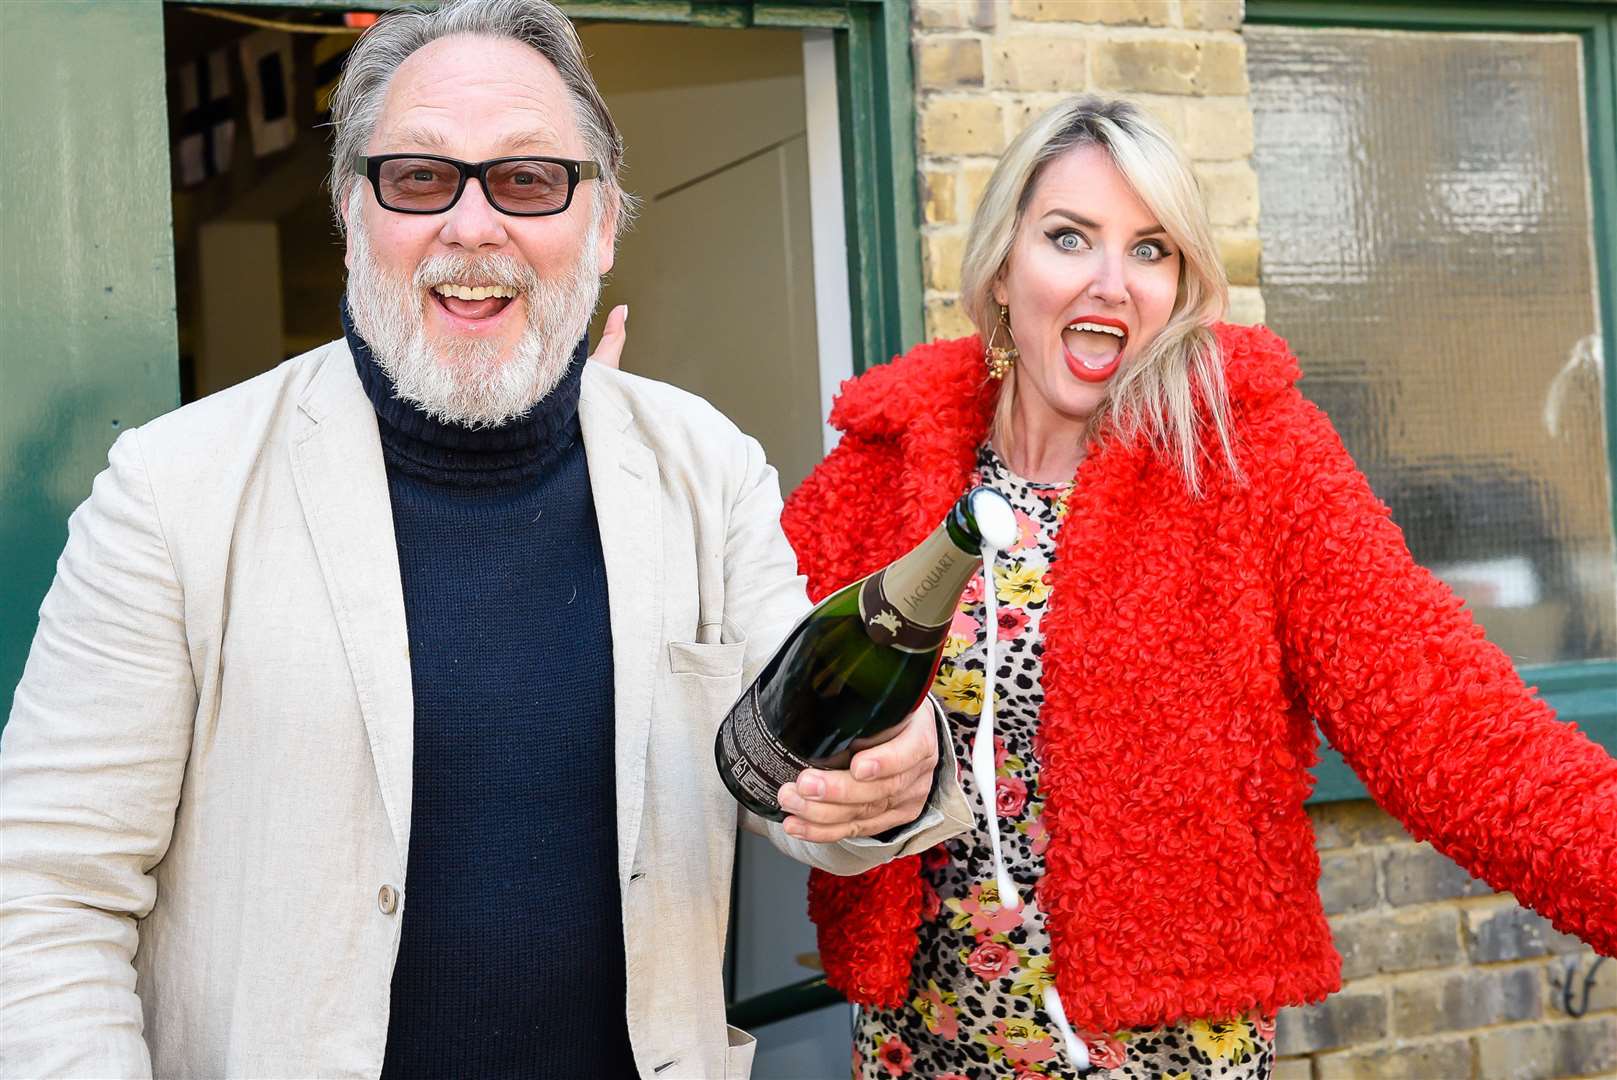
{"points": [[511, 958]]}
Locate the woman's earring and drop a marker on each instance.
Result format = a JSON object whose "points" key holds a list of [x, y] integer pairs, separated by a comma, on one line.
{"points": [[999, 359]]}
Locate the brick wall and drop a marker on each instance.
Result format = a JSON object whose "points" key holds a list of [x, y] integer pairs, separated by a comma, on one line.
{"points": [[985, 68], [1442, 978]]}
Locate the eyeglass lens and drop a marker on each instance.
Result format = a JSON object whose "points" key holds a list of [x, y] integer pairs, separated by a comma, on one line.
{"points": [[520, 187]]}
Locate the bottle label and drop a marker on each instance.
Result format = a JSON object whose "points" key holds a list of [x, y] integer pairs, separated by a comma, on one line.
{"points": [[759, 762], [904, 618]]}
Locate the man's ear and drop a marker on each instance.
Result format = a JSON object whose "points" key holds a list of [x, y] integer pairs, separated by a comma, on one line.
{"points": [[606, 240], [347, 205]]}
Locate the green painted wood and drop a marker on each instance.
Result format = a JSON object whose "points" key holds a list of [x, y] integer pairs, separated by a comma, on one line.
{"points": [[1585, 694], [875, 84], [87, 282]]}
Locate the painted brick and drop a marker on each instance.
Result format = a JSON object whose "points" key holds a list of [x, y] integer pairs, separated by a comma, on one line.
{"points": [[1111, 12], [962, 125], [1420, 874], [1437, 1058], [1022, 111], [1511, 932], [973, 179], [1167, 110], [1587, 1048], [1217, 129], [1293, 1069], [1346, 824], [1523, 1053], [946, 63], [1345, 1018], [938, 14], [1346, 882], [1222, 69], [1034, 62], [1246, 306], [1602, 990], [944, 319], [1398, 941], [1212, 14], [937, 197], [1428, 1004], [1150, 66], [1231, 191], [943, 251]]}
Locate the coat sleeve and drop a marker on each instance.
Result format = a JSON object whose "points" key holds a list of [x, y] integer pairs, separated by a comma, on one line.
{"points": [[91, 764], [1432, 717], [765, 595]]}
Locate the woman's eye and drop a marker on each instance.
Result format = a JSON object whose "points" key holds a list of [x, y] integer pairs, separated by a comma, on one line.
{"points": [[1150, 251], [1067, 240]]}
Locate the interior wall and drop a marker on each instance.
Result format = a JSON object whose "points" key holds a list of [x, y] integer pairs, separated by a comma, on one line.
{"points": [[718, 272]]}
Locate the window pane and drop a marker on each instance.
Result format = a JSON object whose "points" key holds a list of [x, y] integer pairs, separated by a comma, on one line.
{"points": [[1427, 250]]}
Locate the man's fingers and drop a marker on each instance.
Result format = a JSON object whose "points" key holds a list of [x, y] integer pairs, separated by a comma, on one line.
{"points": [[916, 745], [609, 350], [831, 834]]}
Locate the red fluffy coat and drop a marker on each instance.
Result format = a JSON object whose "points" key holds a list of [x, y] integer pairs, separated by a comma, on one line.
{"points": [[1189, 643]]}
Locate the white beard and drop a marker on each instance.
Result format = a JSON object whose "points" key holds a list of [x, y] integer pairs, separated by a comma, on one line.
{"points": [[463, 381]]}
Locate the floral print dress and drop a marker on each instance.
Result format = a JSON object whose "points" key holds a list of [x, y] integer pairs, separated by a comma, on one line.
{"points": [[974, 1009]]}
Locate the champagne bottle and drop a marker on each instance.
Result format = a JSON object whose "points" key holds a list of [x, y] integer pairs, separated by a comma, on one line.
{"points": [[860, 662]]}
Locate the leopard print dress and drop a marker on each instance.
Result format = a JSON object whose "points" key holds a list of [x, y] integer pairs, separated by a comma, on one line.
{"points": [[974, 1010]]}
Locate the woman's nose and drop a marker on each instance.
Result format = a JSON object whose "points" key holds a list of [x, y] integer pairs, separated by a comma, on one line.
{"points": [[1109, 285]]}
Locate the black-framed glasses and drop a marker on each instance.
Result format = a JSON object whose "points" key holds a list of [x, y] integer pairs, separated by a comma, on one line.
{"points": [[428, 184]]}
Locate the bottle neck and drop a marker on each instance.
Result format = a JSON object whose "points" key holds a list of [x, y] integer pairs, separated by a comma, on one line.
{"points": [[912, 601]]}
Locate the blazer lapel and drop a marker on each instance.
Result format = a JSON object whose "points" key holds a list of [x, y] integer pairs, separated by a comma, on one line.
{"points": [[342, 484], [625, 482]]}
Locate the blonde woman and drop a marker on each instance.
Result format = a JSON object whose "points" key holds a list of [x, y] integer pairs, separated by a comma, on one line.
{"points": [[1201, 573]]}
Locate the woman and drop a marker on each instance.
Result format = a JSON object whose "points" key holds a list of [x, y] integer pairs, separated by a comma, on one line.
{"points": [[1201, 570]]}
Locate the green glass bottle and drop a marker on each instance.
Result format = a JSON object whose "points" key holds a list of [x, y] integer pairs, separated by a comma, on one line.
{"points": [[859, 663]]}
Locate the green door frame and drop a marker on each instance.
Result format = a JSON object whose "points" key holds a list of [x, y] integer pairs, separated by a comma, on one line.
{"points": [[90, 329], [87, 304], [1586, 692]]}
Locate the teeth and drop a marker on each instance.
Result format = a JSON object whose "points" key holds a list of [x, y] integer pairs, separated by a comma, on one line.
{"points": [[478, 292], [1097, 328]]}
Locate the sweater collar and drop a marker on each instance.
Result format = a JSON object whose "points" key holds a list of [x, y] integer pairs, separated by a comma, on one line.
{"points": [[453, 453]]}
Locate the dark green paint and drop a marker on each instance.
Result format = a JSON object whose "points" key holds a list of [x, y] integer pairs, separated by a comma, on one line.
{"points": [[87, 281]]}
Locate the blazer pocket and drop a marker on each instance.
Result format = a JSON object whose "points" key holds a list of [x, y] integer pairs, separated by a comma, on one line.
{"points": [[738, 1054], [719, 660]]}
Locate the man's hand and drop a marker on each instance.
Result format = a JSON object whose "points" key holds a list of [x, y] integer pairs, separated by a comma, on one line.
{"points": [[609, 350], [883, 787]]}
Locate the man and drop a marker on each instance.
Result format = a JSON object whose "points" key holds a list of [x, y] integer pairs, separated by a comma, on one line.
{"points": [[368, 728]]}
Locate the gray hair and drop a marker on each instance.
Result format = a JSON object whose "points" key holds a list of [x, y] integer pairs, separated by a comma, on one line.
{"points": [[356, 106], [1182, 363]]}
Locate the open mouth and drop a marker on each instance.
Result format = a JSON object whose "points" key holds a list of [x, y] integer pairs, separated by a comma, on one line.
{"points": [[1094, 347], [473, 302]]}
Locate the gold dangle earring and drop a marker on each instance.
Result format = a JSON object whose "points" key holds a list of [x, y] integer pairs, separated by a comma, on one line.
{"points": [[999, 359]]}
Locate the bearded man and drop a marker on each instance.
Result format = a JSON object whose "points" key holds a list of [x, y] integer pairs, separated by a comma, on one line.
{"points": [[368, 727]]}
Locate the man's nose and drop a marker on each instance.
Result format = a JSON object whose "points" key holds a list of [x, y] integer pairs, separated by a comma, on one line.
{"points": [[472, 223]]}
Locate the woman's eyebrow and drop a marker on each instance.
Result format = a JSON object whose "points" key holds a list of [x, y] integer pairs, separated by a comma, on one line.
{"points": [[1079, 219]]}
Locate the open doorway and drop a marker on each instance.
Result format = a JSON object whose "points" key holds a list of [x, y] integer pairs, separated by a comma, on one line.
{"points": [[720, 272]]}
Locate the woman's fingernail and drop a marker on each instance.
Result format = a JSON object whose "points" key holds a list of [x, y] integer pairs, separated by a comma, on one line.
{"points": [[864, 770], [812, 787]]}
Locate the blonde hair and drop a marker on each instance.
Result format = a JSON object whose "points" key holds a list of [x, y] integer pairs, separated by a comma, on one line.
{"points": [[1157, 394]]}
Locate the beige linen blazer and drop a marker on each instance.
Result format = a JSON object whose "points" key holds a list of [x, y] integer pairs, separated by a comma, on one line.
{"points": [[205, 783]]}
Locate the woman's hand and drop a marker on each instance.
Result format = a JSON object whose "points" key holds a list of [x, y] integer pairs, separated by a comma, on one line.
{"points": [[609, 350], [883, 787]]}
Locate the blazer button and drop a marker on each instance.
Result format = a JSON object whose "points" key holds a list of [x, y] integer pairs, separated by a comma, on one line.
{"points": [[388, 899]]}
